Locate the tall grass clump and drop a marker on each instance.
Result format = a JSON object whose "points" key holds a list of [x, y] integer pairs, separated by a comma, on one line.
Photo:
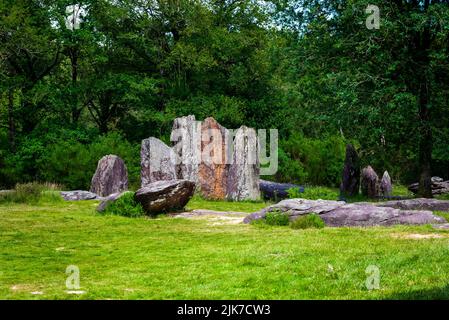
{"points": [[125, 206], [32, 193]]}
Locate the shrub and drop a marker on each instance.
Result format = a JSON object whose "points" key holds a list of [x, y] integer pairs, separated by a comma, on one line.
{"points": [[308, 221], [125, 206], [277, 218]]}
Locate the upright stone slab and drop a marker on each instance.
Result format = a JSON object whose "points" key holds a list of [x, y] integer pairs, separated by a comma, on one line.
{"points": [[351, 173], [110, 177], [243, 176], [214, 167], [186, 138], [370, 182], [157, 162], [386, 188]]}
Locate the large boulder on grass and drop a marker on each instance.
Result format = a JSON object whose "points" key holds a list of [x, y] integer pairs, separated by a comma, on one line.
{"points": [[77, 195], [165, 196], [340, 213], [110, 177]]}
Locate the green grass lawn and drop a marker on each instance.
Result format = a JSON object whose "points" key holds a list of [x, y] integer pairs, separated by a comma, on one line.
{"points": [[176, 258]]}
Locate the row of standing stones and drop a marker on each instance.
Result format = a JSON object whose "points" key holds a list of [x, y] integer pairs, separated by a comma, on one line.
{"points": [[168, 185], [171, 175]]}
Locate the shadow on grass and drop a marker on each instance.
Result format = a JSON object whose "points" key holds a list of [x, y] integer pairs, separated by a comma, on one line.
{"points": [[437, 293]]}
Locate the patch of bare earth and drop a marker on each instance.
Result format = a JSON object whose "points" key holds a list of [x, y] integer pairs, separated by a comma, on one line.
{"points": [[215, 217], [418, 236]]}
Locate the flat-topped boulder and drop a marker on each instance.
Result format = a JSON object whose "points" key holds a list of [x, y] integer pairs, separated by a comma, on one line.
{"points": [[77, 195], [416, 204], [165, 196], [340, 213]]}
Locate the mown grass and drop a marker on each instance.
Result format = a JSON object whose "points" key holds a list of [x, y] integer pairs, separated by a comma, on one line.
{"points": [[174, 258]]}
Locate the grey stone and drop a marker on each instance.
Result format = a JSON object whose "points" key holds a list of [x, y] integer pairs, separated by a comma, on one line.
{"points": [[110, 177], [350, 184], [276, 190], [369, 182], [76, 195], [339, 213], [158, 162], [438, 186], [386, 188], [416, 204], [243, 176], [186, 138], [165, 196]]}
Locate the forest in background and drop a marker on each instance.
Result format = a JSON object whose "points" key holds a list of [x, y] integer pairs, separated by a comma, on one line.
{"points": [[309, 68]]}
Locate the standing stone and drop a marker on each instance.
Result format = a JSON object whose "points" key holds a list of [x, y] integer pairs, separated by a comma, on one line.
{"points": [[157, 161], [386, 187], [214, 167], [351, 173], [370, 182], [186, 138], [243, 176], [110, 177]]}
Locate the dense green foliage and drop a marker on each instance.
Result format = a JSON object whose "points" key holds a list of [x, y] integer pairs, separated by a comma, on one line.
{"points": [[125, 206], [309, 68]]}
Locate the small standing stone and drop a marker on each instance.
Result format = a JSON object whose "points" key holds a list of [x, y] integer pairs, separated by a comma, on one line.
{"points": [[386, 187], [370, 182], [351, 173], [157, 161], [110, 177]]}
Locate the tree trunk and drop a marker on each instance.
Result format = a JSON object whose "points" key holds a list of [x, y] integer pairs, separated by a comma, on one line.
{"points": [[11, 121], [76, 112], [425, 145]]}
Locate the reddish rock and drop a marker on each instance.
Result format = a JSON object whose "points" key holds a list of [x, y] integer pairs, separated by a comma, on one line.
{"points": [[213, 169]]}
